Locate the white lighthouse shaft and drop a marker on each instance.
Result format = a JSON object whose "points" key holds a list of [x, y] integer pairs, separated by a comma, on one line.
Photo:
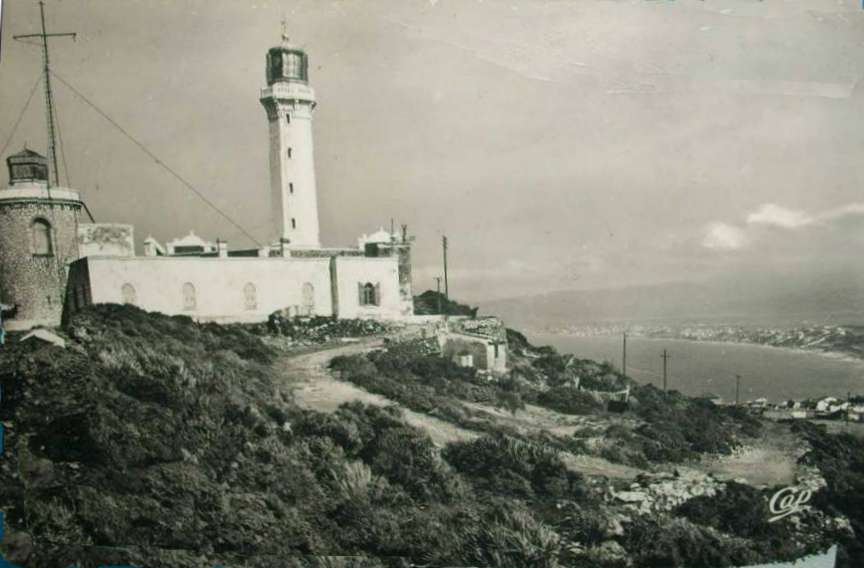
{"points": [[294, 194]]}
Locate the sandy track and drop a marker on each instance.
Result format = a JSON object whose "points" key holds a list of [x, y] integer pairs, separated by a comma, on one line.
{"points": [[315, 388], [769, 460]]}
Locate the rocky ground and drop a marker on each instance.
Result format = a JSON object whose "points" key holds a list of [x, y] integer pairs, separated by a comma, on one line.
{"points": [[155, 441]]}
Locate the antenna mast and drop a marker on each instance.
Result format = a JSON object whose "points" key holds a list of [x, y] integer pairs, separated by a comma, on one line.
{"points": [[49, 94]]}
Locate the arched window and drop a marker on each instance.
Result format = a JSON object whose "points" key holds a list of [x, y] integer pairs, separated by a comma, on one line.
{"points": [[308, 296], [42, 241], [250, 296], [189, 300], [127, 291], [369, 294]]}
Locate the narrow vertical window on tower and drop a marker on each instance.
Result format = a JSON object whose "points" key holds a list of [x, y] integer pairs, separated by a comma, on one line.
{"points": [[291, 188], [42, 244], [287, 118], [289, 151], [293, 223]]}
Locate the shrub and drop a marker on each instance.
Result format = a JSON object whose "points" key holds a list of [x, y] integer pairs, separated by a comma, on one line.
{"points": [[505, 465], [570, 401], [678, 542], [739, 510], [513, 537]]}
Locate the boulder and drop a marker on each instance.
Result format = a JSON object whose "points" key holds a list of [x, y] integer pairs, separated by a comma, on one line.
{"points": [[631, 496]]}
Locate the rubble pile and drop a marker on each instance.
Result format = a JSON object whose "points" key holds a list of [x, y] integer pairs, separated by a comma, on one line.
{"points": [[663, 492], [319, 329], [419, 347], [487, 327]]}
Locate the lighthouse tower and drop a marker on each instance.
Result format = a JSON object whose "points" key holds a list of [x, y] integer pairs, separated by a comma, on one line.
{"points": [[38, 240], [289, 101]]}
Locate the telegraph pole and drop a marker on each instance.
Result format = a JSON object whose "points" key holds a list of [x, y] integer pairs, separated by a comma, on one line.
{"points": [[737, 390], [438, 289], [848, 407], [446, 284], [624, 356], [665, 358], [49, 94]]}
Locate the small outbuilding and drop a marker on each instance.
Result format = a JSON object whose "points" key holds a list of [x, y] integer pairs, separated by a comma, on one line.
{"points": [[45, 336]]}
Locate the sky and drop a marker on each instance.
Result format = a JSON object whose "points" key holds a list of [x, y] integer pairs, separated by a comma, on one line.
{"points": [[576, 144]]}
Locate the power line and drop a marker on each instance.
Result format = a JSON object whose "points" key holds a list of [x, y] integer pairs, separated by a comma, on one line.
{"points": [[155, 158], [66, 166], [21, 116]]}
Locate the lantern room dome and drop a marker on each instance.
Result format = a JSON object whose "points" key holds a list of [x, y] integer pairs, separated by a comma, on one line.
{"points": [[27, 166], [287, 63]]}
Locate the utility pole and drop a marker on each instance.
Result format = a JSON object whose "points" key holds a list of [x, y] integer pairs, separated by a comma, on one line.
{"points": [[665, 358], [438, 289], [848, 407], [446, 284], [737, 390], [624, 356], [49, 94]]}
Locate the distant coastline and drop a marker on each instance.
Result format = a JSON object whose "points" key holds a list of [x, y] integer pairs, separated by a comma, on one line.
{"points": [[699, 368], [836, 342]]}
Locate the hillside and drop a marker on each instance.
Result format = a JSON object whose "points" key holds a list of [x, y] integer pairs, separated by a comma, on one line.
{"points": [[155, 441]]}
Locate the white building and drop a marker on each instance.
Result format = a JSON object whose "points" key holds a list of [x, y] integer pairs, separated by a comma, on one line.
{"points": [[207, 281]]}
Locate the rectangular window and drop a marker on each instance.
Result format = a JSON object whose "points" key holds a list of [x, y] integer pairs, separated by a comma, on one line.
{"points": [[291, 188], [288, 118], [293, 223], [289, 151]]}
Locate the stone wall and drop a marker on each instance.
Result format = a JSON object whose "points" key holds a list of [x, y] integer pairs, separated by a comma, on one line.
{"points": [[453, 346]]}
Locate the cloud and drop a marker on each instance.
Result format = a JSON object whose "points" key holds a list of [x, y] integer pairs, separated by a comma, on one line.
{"points": [[851, 210], [777, 216], [724, 237]]}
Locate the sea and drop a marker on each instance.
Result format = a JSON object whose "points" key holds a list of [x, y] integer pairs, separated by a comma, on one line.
{"points": [[699, 368]]}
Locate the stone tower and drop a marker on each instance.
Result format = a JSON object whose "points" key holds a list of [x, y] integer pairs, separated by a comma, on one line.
{"points": [[38, 240], [289, 101]]}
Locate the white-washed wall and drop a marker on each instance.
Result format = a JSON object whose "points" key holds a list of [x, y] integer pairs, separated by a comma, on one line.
{"points": [[383, 271], [219, 285]]}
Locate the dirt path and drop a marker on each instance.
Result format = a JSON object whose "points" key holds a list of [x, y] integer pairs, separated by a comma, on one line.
{"points": [[315, 388], [769, 460]]}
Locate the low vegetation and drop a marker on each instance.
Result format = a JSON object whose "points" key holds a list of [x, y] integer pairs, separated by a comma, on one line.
{"points": [[153, 440], [673, 428], [434, 303]]}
